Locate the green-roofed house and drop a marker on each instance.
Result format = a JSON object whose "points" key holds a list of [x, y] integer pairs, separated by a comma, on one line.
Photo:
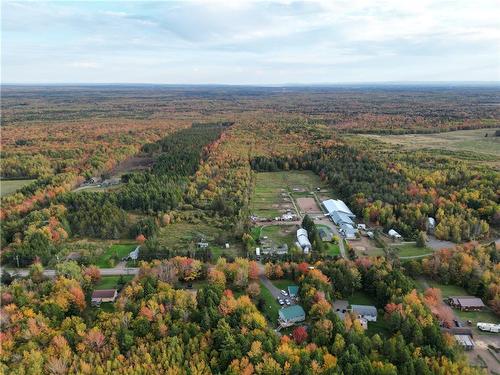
{"points": [[293, 290], [291, 315]]}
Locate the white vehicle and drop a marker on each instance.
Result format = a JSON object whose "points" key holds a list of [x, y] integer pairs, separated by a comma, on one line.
{"points": [[489, 327], [284, 293], [281, 302], [288, 302]]}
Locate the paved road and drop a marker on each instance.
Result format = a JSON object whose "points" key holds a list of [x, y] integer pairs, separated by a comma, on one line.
{"points": [[104, 272], [267, 283]]}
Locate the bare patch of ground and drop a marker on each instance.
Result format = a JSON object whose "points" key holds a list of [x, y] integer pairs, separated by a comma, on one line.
{"points": [[308, 205]]}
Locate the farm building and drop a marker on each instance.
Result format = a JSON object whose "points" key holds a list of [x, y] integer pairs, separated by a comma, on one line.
{"points": [[291, 315], [467, 303], [348, 231], [394, 235], [293, 290], [367, 312], [465, 341], [340, 218], [303, 240], [104, 295], [336, 205]]}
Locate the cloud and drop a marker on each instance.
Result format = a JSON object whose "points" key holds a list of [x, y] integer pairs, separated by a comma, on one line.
{"points": [[293, 41]]}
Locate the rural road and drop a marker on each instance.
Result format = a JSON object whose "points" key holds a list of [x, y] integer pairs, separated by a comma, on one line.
{"points": [[104, 272]]}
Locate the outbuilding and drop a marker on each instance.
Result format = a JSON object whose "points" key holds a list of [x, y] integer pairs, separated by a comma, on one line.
{"points": [[303, 240], [467, 303], [394, 235], [336, 205], [465, 341]]}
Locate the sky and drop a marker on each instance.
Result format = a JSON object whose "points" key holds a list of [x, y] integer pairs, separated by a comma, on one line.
{"points": [[250, 42]]}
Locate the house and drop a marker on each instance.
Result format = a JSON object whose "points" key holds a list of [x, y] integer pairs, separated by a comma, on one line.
{"points": [[325, 235], [465, 341], [303, 240], [340, 307], [394, 235], [104, 295], [293, 290], [467, 303], [348, 231], [333, 205], [291, 315], [365, 312]]}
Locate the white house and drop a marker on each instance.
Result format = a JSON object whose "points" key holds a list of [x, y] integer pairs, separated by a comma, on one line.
{"points": [[369, 313]]}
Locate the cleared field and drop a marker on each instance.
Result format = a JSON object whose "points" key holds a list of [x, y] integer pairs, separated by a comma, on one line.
{"points": [[271, 196], [182, 236], [114, 254], [10, 186], [308, 205], [280, 234], [412, 251], [361, 298], [283, 283], [464, 144]]}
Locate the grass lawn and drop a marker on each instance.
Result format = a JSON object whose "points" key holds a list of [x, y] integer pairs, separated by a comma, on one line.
{"points": [[10, 186], [332, 249], [114, 254], [107, 307], [379, 327], [447, 290], [360, 298], [283, 283], [412, 250], [111, 282], [272, 306], [280, 234]]}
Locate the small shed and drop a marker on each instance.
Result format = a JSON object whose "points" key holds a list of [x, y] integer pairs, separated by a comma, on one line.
{"points": [[394, 235], [465, 341], [293, 290]]}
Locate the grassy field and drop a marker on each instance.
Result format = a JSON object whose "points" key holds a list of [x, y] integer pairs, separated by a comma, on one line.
{"points": [[114, 254], [182, 236], [412, 250], [280, 234], [271, 307], [332, 249], [360, 298], [283, 283], [463, 144], [270, 196], [10, 186], [446, 290], [111, 282]]}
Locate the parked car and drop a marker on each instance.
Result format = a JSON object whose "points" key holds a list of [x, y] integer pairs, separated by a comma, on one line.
{"points": [[288, 302], [281, 302], [283, 292]]}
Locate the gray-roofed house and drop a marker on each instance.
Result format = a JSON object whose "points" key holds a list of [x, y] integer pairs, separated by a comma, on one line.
{"points": [[291, 315], [339, 218], [366, 312]]}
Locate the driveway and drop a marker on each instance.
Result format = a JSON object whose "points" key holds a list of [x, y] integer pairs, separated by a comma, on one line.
{"points": [[436, 244], [267, 283]]}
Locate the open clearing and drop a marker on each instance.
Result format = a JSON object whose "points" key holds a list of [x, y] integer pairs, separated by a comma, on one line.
{"points": [[308, 205], [114, 254], [464, 144], [411, 250], [182, 237], [10, 186], [112, 282], [271, 196], [280, 234]]}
